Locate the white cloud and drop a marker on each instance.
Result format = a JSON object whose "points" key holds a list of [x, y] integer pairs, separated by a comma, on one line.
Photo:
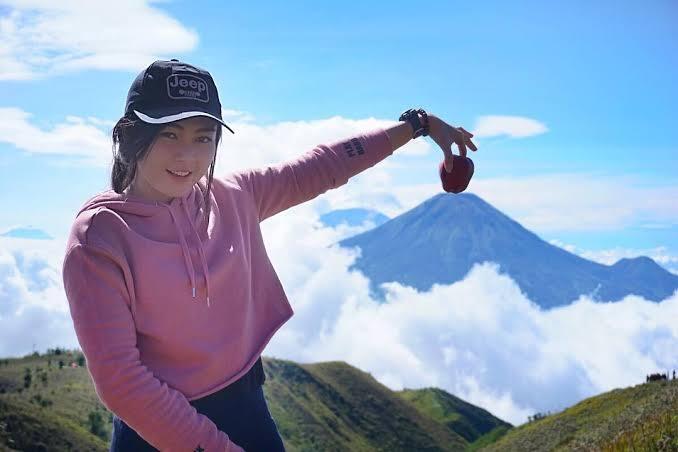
{"points": [[236, 115], [578, 201], [85, 139], [43, 37], [513, 126], [33, 307], [255, 145]]}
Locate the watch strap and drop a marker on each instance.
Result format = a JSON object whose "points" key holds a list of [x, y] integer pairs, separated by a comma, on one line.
{"points": [[420, 126]]}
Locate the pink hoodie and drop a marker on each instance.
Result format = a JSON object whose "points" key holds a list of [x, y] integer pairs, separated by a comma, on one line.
{"points": [[168, 310]]}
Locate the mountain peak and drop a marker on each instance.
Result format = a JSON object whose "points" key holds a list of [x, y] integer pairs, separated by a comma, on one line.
{"points": [[27, 232], [439, 241], [638, 261]]}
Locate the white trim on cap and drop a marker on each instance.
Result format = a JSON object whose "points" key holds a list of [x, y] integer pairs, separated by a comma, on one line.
{"points": [[176, 117]]}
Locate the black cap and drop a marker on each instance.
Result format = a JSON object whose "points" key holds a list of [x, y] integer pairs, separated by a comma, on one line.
{"points": [[171, 90]]}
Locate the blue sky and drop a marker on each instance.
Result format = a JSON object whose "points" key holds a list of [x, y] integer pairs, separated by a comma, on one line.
{"points": [[574, 108], [599, 76]]}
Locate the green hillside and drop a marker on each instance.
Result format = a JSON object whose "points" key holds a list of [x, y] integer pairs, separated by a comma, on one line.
{"points": [[43, 407], [474, 424], [42, 430], [641, 418], [333, 406], [322, 406]]}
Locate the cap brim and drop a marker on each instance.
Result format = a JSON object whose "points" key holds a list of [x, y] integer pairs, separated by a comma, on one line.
{"points": [[177, 117]]}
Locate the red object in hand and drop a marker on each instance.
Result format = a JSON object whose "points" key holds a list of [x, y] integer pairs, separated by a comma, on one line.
{"points": [[457, 180]]}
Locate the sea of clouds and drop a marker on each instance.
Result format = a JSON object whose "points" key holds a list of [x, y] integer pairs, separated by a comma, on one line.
{"points": [[480, 338]]}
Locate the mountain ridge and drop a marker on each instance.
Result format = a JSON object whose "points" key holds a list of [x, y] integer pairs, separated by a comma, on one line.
{"points": [[438, 241]]}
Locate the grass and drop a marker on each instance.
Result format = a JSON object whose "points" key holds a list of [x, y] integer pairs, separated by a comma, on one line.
{"points": [[656, 434], [606, 420]]}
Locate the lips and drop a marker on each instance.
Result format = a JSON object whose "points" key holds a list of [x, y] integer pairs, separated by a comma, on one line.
{"points": [[181, 173]]}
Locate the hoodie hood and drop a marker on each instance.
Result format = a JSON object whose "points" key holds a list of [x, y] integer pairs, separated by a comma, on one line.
{"points": [[191, 206]]}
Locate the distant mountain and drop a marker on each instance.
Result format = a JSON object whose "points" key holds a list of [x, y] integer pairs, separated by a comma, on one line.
{"points": [[439, 240], [328, 406], [353, 217], [27, 233]]}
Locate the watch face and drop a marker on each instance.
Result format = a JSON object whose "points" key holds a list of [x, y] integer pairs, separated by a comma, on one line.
{"points": [[412, 116]]}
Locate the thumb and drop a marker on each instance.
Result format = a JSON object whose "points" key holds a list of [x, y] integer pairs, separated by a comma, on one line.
{"points": [[449, 159]]}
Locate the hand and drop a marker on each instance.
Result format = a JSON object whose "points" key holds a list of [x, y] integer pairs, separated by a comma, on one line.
{"points": [[445, 135]]}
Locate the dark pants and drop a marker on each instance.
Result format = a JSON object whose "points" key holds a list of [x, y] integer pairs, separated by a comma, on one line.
{"points": [[239, 410]]}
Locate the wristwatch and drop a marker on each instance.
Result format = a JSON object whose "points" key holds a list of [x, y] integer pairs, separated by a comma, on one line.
{"points": [[420, 126]]}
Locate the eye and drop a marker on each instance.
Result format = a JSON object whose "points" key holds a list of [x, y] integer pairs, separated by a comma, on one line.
{"points": [[205, 139], [167, 134]]}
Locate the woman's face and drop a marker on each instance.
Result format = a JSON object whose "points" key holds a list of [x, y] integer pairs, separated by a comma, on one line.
{"points": [[188, 145]]}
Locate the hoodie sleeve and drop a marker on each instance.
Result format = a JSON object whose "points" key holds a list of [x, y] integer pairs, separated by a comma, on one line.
{"points": [[94, 281], [279, 187]]}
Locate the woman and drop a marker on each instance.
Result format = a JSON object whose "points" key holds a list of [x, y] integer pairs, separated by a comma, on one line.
{"points": [[171, 292]]}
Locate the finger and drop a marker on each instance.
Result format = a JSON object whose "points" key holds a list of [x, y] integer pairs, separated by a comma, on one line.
{"points": [[466, 132], [457, 135], [462, 148], [467, 139], [461, 142], [449, 157], [448, 165]]}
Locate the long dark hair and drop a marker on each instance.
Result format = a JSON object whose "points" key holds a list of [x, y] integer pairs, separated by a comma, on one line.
{"points": [[133, 139]]}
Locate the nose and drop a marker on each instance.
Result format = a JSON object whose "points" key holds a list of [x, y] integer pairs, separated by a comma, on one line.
{"points": [[185, 153]]}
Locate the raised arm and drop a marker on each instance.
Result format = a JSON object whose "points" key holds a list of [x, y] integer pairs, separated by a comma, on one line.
{"points": [[326, 166]]}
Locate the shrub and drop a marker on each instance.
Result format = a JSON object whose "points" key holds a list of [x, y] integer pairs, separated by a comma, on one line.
{"points": [[28, 377], [537, 416], [96, 424], [43, 402]]}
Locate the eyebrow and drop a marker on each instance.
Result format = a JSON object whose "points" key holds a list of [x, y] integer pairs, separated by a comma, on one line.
{"points": [[203, 129]]}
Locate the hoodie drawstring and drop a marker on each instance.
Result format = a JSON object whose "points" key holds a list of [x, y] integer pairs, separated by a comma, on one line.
{"points": [[184, 249], [201, 252]]}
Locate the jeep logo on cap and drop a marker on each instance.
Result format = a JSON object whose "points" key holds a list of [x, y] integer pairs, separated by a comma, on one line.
{"points": [[185, 86]]}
